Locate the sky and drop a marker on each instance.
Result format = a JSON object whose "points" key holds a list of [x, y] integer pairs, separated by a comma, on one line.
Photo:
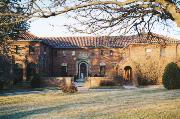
{"points": [[54, 27]]}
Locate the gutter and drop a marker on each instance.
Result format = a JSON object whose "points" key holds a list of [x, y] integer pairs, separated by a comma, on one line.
{"points": [[177, 52]]}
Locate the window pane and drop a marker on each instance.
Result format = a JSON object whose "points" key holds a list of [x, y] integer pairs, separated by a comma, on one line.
{"points": [[64, 53], [102, 70], [111, 52], [73, 53], [102, 52], [63, 70], [148, 50], [31, 49], [17, 49], [162, 52]]}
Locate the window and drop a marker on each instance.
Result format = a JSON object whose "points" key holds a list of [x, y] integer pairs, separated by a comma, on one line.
{"points": [[64, 71], [73, 53], [44, 62], [162, 52], [45, 50], [111, 53], [148, 50], [31, 49], [102, 70], [102, 52], [64, 53], [17, 49]]}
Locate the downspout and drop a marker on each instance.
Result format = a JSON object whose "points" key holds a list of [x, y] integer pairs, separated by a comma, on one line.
{"points": [[176, 53], [130, 52]]}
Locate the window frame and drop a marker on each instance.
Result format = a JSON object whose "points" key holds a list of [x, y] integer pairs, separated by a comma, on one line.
{"points": [[64, 53], [32, 51], [148, 50], [162, 52], [73, 53], [111, 52], [102, 70], [102, 52], [17, 49]]}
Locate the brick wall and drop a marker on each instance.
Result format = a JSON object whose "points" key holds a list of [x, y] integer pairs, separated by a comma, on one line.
{"points": [[22, 56], [144, 54], [50, 60], [94, 59]]}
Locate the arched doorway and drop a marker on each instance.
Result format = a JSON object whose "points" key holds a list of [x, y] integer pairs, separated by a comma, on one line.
{"points": [[128, 75], [83, 70]]}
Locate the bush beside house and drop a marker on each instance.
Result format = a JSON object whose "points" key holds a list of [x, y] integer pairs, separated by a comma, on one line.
{"points": [[148, 72], [36, 81], [6, 78], [171, 76], [67, 86]]}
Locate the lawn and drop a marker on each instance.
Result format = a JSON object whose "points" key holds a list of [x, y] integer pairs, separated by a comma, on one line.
{"points": [[141, 103]]}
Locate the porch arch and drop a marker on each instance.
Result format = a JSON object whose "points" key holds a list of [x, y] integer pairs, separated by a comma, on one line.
{"points": [[83, 69], [128, 74]]}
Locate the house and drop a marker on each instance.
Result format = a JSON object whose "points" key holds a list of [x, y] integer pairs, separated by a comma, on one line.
{"points": [[89, 56]]}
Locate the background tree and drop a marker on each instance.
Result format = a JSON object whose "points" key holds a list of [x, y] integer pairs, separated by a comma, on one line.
{"points": [[125, 17], [111, 15], [11, 22]]}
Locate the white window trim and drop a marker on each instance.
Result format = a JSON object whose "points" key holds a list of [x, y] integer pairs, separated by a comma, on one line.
{"points": [[148, 50], [73, 53]]}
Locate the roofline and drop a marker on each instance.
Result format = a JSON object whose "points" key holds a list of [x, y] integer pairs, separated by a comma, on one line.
{"points": [[26, 40], [176, 42], [88, 47]]}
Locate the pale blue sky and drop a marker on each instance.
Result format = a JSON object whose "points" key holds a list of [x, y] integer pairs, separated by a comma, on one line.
{"points": [[53, 27]]}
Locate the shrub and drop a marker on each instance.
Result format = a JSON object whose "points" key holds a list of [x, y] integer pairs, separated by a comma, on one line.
{"points": [[144, 81], [119, 80], [6, 77], [171, 76], [148, 72], [107, 83], [36, 81], [68, 87], [6, 81]]}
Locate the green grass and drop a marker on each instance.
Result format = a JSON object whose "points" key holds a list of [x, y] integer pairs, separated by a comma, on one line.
{"points": [[141, 103]]}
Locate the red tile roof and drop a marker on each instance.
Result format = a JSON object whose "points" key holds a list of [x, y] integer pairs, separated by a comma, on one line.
{"points": [[96, 41], [27, 36], [103, 41]]}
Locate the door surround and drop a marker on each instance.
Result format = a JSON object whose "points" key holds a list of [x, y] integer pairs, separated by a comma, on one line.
{"points": [[79, 69]]}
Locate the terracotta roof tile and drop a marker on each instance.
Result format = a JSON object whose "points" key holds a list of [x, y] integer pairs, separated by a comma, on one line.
{"points": [[101, 41], [96, 41], [27, 36]]}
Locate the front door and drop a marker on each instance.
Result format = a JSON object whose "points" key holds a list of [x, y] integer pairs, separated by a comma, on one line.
{"points": [[128, 75], [83, 70]]}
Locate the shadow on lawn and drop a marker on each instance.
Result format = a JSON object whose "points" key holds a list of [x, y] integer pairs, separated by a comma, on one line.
{"points": [[24, 114], [14, 92]]}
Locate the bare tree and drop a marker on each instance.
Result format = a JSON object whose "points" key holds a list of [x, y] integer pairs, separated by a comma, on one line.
{"points": [[122, 16], [100, 15]]}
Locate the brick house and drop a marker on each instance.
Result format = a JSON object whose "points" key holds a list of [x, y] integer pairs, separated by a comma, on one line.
{"points": [[91, 56]]}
